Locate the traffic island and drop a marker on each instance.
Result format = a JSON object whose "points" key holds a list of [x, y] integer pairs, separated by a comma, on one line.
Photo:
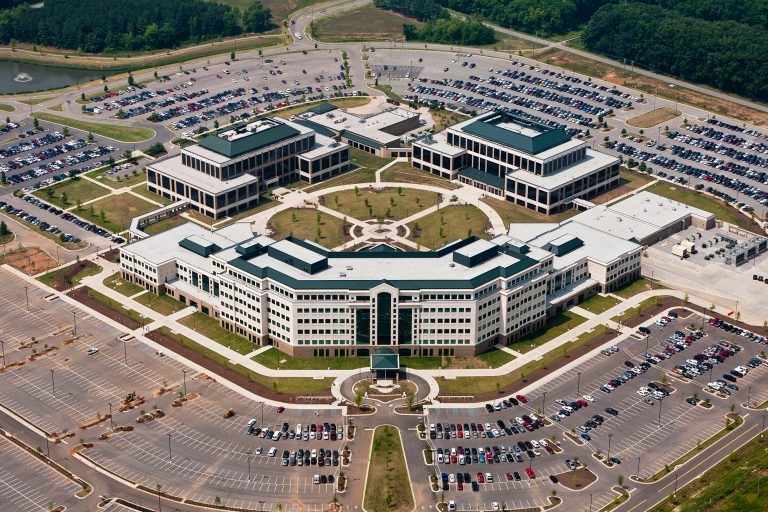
{"points": [[578, 479]]}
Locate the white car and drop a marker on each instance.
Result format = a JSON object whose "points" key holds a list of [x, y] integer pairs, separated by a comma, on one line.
{"points": [[452, 478], [535, 443], [589, 398], [451, 503], [272, 451], [489, 478], [259, 449], [543, 443], [495, 505], [91, 351]]}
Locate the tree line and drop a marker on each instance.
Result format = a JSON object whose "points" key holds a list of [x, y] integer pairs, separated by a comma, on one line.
{"points": [[422, 10], [723, 54], [451, 31], [96, 26]]}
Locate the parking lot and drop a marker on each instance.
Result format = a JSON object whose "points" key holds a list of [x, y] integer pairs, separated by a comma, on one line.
{"points": [[28, 485], [722, 156], [639, 435], [65, 388]]}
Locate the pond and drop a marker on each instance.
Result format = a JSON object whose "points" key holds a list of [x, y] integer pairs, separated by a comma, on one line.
{"points": [[16, 77]]}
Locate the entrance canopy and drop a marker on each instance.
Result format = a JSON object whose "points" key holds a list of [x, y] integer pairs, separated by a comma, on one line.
{"points": [[385, 359]]}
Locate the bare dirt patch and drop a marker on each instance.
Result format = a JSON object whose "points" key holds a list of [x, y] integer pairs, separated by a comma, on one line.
{"points": [[654, 117], [577, 479], [30, 260]]}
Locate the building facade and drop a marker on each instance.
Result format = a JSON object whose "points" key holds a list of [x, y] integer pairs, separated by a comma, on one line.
{"points": [[526, 163], [225, 173]]}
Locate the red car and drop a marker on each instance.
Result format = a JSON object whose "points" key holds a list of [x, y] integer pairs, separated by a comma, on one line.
{"points": [[280, 409], [522, 399], [582, 403], [480, 478], [530, 473], [510, 477]]}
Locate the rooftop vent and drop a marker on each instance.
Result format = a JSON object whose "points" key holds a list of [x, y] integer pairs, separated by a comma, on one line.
{"points": [[342, 274]]}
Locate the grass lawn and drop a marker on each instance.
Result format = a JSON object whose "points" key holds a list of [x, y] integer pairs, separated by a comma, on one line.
{"points": [[366, 159], [598, 303], [142, 191], [555, 326], [388, 488], [387, 90], [450, 223], [308, 223], [511, 213], [357, 101], [358, 176], [281, 384], [642, 306], [445, 118], [654, 117], [211, 329], [57, 108], [165, 225], [7, 108], [35, 101], [366, 23], [75, 189], [406, 173], [388, 203], [118, 211], [163, 304], [628, 181], [117, 306], [704, 201], [730, 486], [273, 358], [493, 358], [112, 131], [505, 42], [117, 283], [77, 278], [635, 287]]}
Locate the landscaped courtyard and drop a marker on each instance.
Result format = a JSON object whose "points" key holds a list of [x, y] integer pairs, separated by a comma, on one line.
{"points": [[310, 224], [448, 224], [385, 203]]}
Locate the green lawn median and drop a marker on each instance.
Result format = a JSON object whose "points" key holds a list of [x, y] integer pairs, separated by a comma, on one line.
{"points": [[388, 486], [113, 131]]}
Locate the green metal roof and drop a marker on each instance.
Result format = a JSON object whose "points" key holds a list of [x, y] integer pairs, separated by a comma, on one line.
{"points": [[563, 245], [199, 246], [322, 130], [248, 143], [322, 108], [361, 140], [486, 127], [385, 359], [482, 177]]}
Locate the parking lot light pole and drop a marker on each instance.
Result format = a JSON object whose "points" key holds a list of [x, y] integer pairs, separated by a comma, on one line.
{"points": [[590, 502], [578, 383], [74, 323], [638, 467], [675, 493], [543, 401], [762, 430], [749, 394], [26, 294], [249, 465], [2, 347], [111, 421], [660, 403], [53, 385], [184, 372], [169, 446], [125, 352]]}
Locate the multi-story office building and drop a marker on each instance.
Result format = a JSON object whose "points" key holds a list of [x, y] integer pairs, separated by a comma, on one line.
{"points": [[527, 163], [457, 300], [226, 172]]}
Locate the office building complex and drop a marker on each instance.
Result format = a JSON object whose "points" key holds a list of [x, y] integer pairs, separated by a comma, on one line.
{"points": [[226, 172], [526, 163]]}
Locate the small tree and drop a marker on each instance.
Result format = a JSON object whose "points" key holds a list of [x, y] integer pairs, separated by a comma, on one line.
{"points": [[65, 131], [358, 398], [620, 480], [35, 123], [90, 138], [64, 198]]}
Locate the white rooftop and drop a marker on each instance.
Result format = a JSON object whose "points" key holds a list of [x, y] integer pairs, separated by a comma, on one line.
{"points": [[593, 161], [598, 245], [174, 168], [323, 146], [439, 143], [160, 248]]}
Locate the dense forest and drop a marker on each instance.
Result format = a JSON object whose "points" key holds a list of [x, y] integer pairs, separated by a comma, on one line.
{"points": [[95, 26], [724, 54], [451, 31], [422, 10]]}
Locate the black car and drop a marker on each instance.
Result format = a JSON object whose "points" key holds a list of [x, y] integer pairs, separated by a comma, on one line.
{"points": [[611, 411], [554, 478], [644, 330]]}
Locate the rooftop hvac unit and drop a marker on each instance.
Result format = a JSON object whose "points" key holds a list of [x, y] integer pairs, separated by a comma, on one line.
{"points": [[342, 274]]}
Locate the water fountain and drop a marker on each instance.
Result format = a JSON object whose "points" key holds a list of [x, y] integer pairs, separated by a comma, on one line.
{"points": [[23, 77]]}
